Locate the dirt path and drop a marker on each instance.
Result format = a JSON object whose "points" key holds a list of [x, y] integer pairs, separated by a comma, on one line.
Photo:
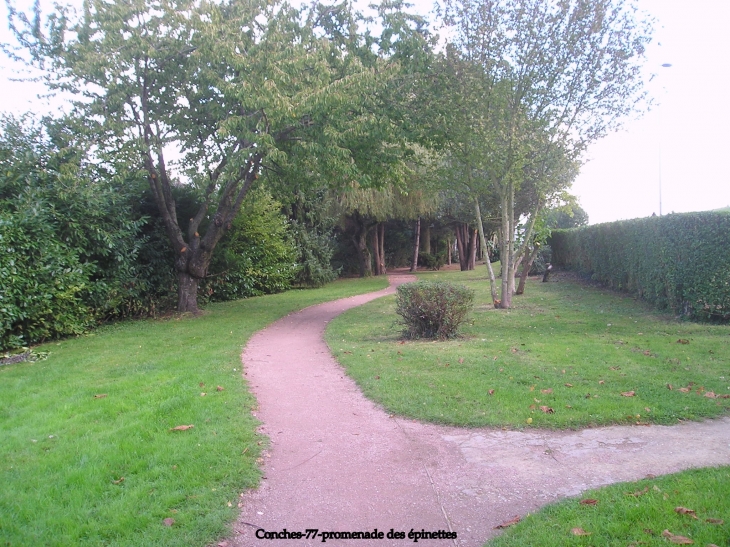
{"points": [[339, 463]]}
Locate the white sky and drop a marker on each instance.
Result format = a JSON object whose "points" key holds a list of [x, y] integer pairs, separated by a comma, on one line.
{"points": [[684, 142]]}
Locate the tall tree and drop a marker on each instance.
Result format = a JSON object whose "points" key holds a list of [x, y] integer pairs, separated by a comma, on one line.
{"points": [[565, 72], [231, 90]]}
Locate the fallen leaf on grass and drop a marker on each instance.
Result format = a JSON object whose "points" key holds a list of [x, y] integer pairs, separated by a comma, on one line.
{"points": [[601, 382], [579, 532], [100, 396], [710, 395], [203, 394], [684, 389], [547, 410], [508, 523], [669, 387], [547, 391], [182, 427], [685, 511], [589, 501], [219, 388], [614, 368], [647, 352], [628, 393], [168, 521], [638, 492], [679, 540], [491, 392], [714, 521], [120, 480], [568, 385], [682, 341]]}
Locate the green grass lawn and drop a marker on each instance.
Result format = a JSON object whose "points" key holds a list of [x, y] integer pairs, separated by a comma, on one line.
{"points": [[589, 357], [647, 513], [567, 356], [87, 455]]}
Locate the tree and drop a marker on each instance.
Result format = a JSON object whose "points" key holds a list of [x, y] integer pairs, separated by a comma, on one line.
{"points": [[552, 75], [235, 89]]}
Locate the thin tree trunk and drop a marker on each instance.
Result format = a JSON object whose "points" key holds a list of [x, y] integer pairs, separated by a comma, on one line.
{"points": [[381, 238], [416, 243], [485, 252], [526, 269], [379, 262], [507, 252], [472, 249], [460, 246], [448, 251], [360, 241]]}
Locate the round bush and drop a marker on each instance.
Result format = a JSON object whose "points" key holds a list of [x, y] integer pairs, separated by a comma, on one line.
{"points": [[433, 309]]}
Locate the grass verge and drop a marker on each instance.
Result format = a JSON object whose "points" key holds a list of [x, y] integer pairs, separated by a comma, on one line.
{"points": [[87, 451], [654, 512], [567, 356]]}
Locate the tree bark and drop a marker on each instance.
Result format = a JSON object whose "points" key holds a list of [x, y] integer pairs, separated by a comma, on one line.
{"points": [[416, 243], [472, 249], [187, 293], [381, 238], [507, 251], [460, 247], [526, 269], [485, 252], [360, 241], [377, 245]]}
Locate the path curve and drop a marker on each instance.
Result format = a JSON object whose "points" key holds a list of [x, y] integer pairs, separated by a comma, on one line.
{"points": [[338, 462]]}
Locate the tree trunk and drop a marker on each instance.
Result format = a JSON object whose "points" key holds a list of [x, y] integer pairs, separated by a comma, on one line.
{"points": [[460, 247], [485, 252], [377, 245], [360, 241], [507, 251], [526, 269], [187, 293], [448, 251], [472, 249], [416, 243], [381, 238]]}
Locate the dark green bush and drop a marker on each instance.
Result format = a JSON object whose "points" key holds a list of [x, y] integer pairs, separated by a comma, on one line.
{"points": [[256, 256], [431, 261], [433, 309], [677, 262]]}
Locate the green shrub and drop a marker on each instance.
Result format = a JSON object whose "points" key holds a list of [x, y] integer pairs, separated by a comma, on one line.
{"points": [[431, 261], [256, 256], [677, 262], [433, 309]]}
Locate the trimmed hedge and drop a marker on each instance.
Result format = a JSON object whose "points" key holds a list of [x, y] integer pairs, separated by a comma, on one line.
{"points": [[679, 262]]}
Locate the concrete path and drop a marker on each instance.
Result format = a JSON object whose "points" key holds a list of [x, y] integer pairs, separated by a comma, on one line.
{"points": [[339, 463]]}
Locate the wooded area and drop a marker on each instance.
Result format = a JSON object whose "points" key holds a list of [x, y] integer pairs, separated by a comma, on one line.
{"points": [[217, 150]]}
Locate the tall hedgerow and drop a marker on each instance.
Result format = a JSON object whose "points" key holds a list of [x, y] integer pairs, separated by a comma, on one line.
{"points": [[678, 262]]}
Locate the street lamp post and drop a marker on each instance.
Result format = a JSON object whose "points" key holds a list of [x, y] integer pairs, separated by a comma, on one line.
{"points": [[664, 65]]}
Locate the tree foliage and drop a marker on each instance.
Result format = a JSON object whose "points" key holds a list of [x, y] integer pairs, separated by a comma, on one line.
{"points": [[69, 239]]}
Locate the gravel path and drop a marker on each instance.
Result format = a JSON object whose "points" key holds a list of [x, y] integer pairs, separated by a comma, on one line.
{"points": [[339, 463]]}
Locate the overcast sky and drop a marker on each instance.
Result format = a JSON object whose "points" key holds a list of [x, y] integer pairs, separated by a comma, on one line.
{"points": [[682, 145]]}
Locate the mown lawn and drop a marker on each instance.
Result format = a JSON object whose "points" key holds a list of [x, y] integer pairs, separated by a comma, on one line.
{"points": [[688, 508], [87, 451], [567, 356]]}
